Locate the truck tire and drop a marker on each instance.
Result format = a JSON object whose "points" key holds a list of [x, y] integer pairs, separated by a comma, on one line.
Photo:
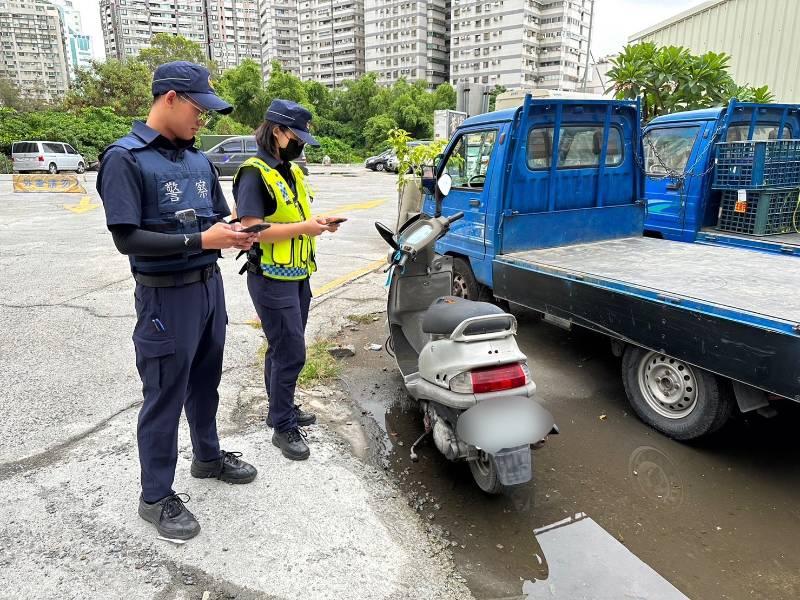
{"points": [[464, 283], [677, 399]]}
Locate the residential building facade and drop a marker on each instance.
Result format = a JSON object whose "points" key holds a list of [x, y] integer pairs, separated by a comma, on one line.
{"points": [[331, 40], [520, 43], [228, 30], [33, 54], [407, 39], [77, 43], [280, 35]]}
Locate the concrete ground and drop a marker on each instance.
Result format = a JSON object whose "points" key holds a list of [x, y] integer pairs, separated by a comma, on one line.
{"points": [[330, 527]]}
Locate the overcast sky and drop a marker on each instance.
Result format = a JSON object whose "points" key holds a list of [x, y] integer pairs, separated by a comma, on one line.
{"points": [[614, 21]]}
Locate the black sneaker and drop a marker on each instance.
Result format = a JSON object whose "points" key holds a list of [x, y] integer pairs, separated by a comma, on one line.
{"points": [[304, 419], [228, 468], [171, 518], [292, 444]]}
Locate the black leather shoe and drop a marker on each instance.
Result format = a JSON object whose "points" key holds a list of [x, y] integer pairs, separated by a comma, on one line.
{"points": [[228, 468], [304, 419], [171, 518], [292, 444]]}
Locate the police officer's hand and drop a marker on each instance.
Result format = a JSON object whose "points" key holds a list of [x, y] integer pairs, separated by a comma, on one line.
{"points": [[221, 236], [317, 226]]}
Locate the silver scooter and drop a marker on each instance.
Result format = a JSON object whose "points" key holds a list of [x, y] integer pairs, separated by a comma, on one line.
{"points": [[460, 360]]}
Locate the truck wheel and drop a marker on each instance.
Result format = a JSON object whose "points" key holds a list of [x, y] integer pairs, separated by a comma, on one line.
{"points": [[485, 474], [680, 401], [464, 283]]}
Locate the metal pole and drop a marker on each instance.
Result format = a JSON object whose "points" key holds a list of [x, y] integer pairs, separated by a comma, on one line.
{"points": [[588, 47], [333, 51]]}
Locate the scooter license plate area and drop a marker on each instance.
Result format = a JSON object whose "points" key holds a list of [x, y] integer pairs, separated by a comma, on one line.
{"points": [[497, 424]]}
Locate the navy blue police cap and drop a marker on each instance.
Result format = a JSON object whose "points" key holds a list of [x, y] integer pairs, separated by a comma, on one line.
{"points": [[293, 116], [189, 79]]}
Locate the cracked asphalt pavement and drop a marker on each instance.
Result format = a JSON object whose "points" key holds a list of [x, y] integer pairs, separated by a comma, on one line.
{"points": [[331, 527]]}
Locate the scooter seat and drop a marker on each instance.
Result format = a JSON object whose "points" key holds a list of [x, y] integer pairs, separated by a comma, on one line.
{"points": [[447, 312]]}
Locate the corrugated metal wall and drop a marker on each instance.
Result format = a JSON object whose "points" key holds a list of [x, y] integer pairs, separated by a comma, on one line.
{"points": [[762, 37]]}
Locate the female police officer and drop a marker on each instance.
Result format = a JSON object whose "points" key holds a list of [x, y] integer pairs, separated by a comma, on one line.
{"points": [[268, 187], [164, 208]]}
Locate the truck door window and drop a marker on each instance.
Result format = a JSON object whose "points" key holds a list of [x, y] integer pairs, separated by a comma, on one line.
{"points": [[667, 150], [579, 146], [738, 133], [468, 163]]}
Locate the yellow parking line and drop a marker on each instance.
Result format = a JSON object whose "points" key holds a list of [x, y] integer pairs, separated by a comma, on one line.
{"points": [[359, 206], [340, 281]]}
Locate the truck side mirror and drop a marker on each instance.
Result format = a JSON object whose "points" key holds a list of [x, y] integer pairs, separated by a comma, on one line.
{"points": [[444, 184]]}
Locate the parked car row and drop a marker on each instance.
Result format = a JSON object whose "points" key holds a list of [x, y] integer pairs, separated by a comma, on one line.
{"points": [[229, 154], [387, 160]]}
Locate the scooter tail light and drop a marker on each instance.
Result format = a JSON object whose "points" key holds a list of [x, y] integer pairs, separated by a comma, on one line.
{"points": [[461, 383], [491, 379]]}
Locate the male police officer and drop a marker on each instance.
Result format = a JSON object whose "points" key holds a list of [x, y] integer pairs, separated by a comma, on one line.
{"points": [[164, 208]]}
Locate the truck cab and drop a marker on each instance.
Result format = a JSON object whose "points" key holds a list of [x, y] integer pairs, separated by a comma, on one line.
{"points": [[680, 152]]}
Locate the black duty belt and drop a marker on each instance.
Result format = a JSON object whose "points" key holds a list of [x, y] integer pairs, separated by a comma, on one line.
{"points": [[162, 280]]}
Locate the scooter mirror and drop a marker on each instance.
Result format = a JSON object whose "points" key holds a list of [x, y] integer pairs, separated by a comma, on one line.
{"points": [[387, 235], [445, 183]]}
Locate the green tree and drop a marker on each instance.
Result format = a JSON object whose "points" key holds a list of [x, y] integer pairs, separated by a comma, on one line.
{"points": [[498, 89], [243, 86], [444, 97], [165, 47], [123, 86], [285, 85], [9, 94], [376, 132], [671, 79]]}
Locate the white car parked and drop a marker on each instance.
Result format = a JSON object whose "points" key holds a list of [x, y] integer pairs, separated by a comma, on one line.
{"points": [[46, 156]]}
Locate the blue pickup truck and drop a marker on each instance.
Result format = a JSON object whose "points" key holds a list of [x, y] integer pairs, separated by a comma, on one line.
{"points": [[693, 162], [553, 196]]}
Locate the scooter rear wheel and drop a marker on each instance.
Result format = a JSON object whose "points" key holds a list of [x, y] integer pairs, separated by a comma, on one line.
{"points": [[484, 472]]}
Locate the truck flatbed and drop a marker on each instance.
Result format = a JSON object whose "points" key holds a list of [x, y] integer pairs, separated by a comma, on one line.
{"points": [[785, 243], [735, 311]]}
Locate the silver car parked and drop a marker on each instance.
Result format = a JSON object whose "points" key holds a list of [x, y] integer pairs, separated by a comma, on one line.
{"points": [[46, 156]]}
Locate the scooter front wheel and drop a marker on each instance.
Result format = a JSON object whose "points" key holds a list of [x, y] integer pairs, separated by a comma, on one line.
{"points": [[484, 472]]}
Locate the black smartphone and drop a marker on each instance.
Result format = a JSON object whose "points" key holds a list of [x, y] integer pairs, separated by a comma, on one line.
{"points": [[335, 220], [258, 228]]}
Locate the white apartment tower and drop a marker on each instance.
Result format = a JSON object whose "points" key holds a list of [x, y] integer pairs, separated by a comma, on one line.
{"points": [[331, 40], [77, 43], [280, 36], [228, 30], [407, 39], [234, 32], [520, 43], [33, 55]]}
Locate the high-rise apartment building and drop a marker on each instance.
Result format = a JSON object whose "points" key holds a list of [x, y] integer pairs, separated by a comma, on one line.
{"points": [[32, 52], [331, 40], [280, 35], [520, 43], [405, 39], [228, 30], [234, 31], [77, 43]]}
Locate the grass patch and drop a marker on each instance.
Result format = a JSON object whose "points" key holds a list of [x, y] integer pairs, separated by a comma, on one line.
{"points": [[320, 366], [361, 319]]}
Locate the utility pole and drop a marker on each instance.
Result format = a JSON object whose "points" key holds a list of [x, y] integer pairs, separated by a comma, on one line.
{"points": [[588, 47], [333, 50]]}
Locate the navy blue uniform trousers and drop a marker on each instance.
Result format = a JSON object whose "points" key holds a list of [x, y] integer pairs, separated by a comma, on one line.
{"points": [[282, 307], [179, 340]]}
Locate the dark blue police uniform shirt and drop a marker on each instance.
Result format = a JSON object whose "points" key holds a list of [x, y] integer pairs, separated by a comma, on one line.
{"points": [[253, 198], [119, 179]]}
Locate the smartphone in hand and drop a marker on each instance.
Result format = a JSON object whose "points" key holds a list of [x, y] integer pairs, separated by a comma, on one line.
{"points": [[335, 220], [257, 228]]}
